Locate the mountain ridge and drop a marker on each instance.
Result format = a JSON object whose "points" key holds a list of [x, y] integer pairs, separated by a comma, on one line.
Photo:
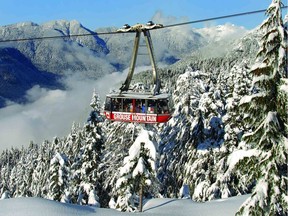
{"points": [[92, 56]]}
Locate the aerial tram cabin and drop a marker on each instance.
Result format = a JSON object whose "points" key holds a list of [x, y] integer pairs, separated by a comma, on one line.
{"points": [[140, 108], [148, 107]]}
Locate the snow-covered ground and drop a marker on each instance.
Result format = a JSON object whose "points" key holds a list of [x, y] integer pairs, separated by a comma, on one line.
{"points": [[168, 207]]}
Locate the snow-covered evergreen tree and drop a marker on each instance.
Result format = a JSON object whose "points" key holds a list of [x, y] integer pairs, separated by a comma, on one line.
{"points": [[40, 174], [234, 126], [8, 171], [25, 168], [177, 135], [5, 195], [138, 173], [86, 180], [58, 177], [89, 159], [225, 183], [5, 174], [120, 136], [95, 101], [264, 114], [74, 142]]}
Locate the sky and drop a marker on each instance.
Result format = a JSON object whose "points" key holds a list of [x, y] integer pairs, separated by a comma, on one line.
{"points": [[95, 14]]}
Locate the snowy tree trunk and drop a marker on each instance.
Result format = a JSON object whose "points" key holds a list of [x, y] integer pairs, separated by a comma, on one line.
{"points": [[141, 198]]}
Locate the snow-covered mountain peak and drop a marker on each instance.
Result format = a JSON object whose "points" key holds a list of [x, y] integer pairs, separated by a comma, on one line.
{"points": [[220, 32], [63, 24], [61, 54], [23, 24]]}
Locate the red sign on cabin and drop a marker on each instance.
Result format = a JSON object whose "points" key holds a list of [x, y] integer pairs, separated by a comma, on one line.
{"points": [[137, 117]]}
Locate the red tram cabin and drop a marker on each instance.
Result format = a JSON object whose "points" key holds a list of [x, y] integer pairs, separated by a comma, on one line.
{"points": [[135, 107]]}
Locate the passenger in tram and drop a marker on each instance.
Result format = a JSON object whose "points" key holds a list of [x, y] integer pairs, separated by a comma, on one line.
{"points": [[131, 107], [125, 108], [138, 108], [115, 105], [159, 108], [165, 109], [127, 105], [113, 102], [152, 106], [143, 108]]}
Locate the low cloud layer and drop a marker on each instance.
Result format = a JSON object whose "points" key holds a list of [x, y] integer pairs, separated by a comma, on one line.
{"points": [[51, 113]]}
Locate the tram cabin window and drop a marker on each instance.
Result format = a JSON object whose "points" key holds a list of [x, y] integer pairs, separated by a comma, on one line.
{"points": [[108, 104], [116, 104], [163, 107], [127, 105], [119, 102], [140, 106], [151, 109]]}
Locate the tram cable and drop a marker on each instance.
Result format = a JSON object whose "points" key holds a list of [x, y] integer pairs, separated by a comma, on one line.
{"points": [[220, 17], [116, 32]]}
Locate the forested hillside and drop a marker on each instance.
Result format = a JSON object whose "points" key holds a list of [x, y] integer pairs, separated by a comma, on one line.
{"points": [[228, 136]]}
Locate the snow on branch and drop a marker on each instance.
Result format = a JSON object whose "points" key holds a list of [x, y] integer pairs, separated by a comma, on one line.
{"points": [[248, 98]]}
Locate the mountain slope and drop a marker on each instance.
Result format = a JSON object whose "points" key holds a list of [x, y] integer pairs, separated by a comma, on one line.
{"points": [[18, 74], [41, 62], [61, 55], [171, 44], [94, 56]]}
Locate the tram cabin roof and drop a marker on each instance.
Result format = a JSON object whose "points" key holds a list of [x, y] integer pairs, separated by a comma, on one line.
{"points": [[139, 96]]}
